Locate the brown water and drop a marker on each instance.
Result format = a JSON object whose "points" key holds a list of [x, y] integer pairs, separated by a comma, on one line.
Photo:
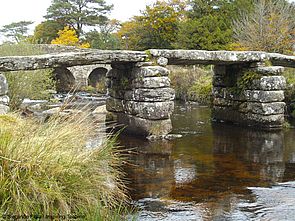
{"points": [[214, 172]]}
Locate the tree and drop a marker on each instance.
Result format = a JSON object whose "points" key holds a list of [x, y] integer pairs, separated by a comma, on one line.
{"points": [[209, 24], [68, 36], [105, 37], [270, 27], [156, 27], [79, 13], [45, 32], [16, 31]]}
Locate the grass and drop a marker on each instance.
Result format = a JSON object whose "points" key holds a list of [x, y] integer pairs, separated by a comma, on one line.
{"points": [[46, 170], [192, 83], [26, 84]]}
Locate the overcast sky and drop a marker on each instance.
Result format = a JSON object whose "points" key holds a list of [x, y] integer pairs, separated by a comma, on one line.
{"points": [[34, 10]]}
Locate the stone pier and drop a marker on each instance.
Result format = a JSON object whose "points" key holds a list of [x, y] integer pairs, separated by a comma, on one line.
{"points": [[141, 99], [4, 99], [251, 96]]}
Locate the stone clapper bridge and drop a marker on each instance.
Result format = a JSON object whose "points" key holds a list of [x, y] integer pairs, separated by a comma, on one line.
{"points": [[245, 90]]}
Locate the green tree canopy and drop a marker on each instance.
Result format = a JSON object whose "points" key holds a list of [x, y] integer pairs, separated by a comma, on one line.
{"points": [[16, 31], [105, 37], [45, 32], [209, 24], [79, 13]]}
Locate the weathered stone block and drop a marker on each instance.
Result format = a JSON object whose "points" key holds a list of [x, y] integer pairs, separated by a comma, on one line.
{"points": [[115, 105], [116, 93], [3, 85], [264, 96], [228, 93], [4, 109], [150, 95], [248, 119], [272, 70], [4, 100], [263, 108], [149, 71], [269, 83], [140, 126], [151, 82], [150, 110]]}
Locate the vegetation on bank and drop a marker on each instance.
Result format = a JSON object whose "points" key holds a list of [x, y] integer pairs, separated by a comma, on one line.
{"points": [[47, 171], [192, 83], [36, 84]]}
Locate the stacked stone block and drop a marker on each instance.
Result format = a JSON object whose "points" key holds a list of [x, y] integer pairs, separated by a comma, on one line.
{"points": [[4, 99], [259, 102], [141, 98]]}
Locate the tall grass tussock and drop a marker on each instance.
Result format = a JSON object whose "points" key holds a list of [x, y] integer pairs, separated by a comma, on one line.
{"points": [[47, 171]]}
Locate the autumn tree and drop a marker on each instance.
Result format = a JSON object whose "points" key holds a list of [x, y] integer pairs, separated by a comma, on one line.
{"points": [[68, 36], [46, 31], [156, 27], [79, 13], [270, 27], [16, 31]]}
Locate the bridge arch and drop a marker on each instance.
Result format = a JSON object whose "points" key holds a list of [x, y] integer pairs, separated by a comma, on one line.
{"points": [[97, 78], [65, 80]]}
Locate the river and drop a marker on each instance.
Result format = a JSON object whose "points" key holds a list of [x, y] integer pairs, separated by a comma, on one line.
{"points": [[215, 171]]}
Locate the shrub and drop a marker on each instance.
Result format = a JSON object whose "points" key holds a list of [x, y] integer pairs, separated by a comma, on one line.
{"points": [[192, 83], [46, 169], [26, 84]]}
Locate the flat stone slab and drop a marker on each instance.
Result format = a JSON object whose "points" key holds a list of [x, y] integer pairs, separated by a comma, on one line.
{"points": [[186, 57], [15, 63], [176, 57], [181, 57]]}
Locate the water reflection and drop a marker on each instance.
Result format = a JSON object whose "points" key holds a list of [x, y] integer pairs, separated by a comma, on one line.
{"points": [[209, 170]]}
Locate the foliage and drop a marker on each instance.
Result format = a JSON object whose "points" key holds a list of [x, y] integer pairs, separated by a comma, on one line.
{"points": [[46, 169], [208, 25], [156, 27], [68, 36], [269, 27], [105, 38], [45, 32], [192, 83], [17, 31], [201, 91], [26, 84], [206, 33], [78, 13]]}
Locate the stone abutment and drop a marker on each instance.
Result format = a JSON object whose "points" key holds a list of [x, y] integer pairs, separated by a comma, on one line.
{"points": [[251, 96], [141, 99]]}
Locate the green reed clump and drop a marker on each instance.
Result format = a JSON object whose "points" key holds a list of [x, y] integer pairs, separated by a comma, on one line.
{"points": [[47, 171], [192, 83]]}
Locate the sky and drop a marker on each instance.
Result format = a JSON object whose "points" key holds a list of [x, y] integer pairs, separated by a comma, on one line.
{"points": [[34, 10]]}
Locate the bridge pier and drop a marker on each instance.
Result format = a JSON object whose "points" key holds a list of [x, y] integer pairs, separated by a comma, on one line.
{"points": [[140, 98], [249, 94]]}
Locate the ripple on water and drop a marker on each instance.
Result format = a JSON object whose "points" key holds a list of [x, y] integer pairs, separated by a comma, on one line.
{"points": [[167, 210], [274, 203]]}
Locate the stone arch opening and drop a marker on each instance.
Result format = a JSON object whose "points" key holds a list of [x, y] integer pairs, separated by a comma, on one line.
{"points": [[65, 80], [97, 79]]}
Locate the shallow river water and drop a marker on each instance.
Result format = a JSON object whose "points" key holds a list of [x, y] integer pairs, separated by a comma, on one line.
{"points": [[214, 172]]}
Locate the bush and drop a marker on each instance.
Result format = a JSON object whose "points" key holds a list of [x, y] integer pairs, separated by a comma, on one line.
{"points": [[46, 169], [26, 84], [192, 83]]}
